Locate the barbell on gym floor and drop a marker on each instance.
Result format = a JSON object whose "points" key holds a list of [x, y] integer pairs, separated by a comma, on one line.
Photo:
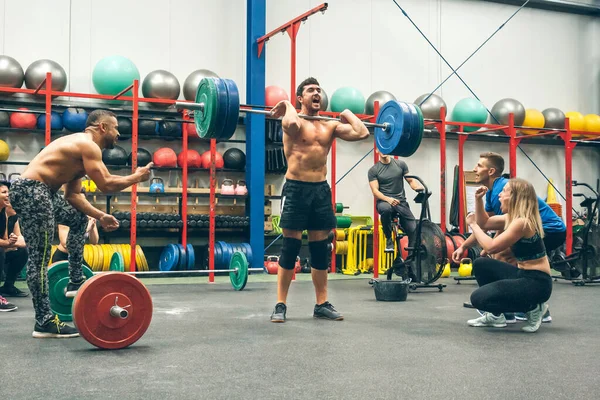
{"points": [[398, 128]]}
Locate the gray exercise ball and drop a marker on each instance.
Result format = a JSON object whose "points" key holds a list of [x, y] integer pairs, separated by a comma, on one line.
{"points": [[190, 86], [431, 107], [381, 96], [11, 72], [36, 73], [161, 84], [555, 118], [504, 107], [324, 101]]}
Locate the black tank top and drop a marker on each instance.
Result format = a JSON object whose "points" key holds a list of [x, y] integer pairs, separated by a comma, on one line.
{"points": [[3, 223], [529, 248]]}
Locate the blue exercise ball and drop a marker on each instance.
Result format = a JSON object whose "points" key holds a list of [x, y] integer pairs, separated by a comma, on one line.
{"points": [[56, 123], [74, 119]]}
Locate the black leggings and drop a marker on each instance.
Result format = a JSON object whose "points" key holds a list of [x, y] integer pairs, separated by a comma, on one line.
{"points": [[506, 288], [405, 216], [13, 262]]}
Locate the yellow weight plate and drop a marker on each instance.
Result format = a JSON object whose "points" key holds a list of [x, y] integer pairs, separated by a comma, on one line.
{"points": [[99, 258], [144, 261], [52, 250], [127, 255], [138, 259], [107, 254], [96, 256]]}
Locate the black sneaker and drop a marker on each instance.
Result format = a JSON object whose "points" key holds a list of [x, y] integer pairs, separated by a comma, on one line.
{"points": [[5, 306], [389, 245], [279, 313], [327, 311], [54, 328], [72, 288], [12, 292]]}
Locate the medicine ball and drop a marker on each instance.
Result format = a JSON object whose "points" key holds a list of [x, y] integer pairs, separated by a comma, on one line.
{"points": [[194, 159], [144, 157], [124, 128], [114, 156], [147, 127], [4, 119], [192, 132], [234, 158], [56, 123], [4, 151], [206, 160], [165, 157], [23, 120], [74, 119], [169, 129]]}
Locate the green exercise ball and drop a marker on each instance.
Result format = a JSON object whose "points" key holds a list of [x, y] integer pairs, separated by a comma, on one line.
{"points": [[348, 98], [113, 74], [469, 110]]}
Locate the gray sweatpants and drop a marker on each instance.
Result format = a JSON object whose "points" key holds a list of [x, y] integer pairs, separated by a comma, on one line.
{"points": [[40, 209]]}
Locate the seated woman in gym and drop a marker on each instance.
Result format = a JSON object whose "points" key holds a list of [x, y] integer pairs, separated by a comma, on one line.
{"points": [[61, 253], [502, 286]]}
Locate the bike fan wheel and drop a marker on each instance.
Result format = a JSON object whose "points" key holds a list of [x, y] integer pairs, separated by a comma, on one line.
{"points": [[433, 252]]}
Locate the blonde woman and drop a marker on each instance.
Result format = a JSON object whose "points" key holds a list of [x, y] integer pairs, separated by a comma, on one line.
{"points": [[504, 287]]}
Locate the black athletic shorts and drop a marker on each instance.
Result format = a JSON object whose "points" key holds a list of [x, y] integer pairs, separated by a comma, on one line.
{"points": [[307, 206]]}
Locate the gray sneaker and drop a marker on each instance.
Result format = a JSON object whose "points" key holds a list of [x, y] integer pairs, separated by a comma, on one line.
{"points": [[278, 314], [534, 318], [488, 320], [327, 311], [545, 320], [5, 306]]}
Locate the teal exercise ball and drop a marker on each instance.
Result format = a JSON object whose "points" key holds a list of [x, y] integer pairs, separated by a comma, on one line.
{"points": [[112, 74], [348, 98], [469, 110]]}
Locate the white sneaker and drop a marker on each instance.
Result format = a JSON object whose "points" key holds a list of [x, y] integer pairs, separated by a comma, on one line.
{"points": [[488, 320], [534, 318]]}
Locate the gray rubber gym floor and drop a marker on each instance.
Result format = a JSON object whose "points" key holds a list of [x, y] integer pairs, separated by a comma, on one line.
{"points": [[209, 342]]}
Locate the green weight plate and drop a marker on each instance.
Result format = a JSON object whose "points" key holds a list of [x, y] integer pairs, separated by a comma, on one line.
{"points": [[58, 279], [222, 107], [116, 262], [206, 119], [238, 278]]}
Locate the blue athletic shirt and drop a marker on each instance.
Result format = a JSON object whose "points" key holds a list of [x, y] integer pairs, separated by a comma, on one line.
{"points": [[550, 221]]}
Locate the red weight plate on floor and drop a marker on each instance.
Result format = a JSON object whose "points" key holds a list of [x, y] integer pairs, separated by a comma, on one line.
{"points": [[112, 310]]}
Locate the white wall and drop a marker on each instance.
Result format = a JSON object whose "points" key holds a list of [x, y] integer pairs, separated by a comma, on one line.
{"points": [[544, 59]]}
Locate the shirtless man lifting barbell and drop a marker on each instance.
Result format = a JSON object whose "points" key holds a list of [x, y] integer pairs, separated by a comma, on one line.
{"points": [[306, 202]]}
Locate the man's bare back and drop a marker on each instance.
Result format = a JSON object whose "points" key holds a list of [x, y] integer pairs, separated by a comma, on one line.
{"points": [[61, 161]]}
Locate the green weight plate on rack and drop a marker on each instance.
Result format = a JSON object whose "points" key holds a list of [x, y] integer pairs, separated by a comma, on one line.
{"points": [[116, 262], [205, 120], [58, 279], [238, 274]]}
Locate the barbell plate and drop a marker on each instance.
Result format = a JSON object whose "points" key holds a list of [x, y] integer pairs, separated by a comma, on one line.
{"points": [[392, 114], [411, 124], [240, 278], [95, 298], [182, 264], [117, 263], [248, 252], [222, 107], [169, 258], [419, 134], [205, 120], [191, 257], [233, 112], [58, 279]]}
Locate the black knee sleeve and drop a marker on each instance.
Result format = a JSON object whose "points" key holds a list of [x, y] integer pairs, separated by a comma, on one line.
{"points": [[319, 253], [289, 252]]}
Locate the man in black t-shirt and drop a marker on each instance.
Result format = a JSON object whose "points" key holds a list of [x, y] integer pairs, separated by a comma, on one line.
{"points": [[386, 179]]}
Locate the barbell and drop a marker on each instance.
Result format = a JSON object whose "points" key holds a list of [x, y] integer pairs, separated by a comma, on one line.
{"points": [[113, 309], [398, 128]]}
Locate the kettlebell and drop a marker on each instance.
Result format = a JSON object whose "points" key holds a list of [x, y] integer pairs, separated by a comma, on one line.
{"points": [[157, 185], [227, 187], [272, 264], [466, 267], [11, 179], [241, 189], [298, 267], [447, 270]]}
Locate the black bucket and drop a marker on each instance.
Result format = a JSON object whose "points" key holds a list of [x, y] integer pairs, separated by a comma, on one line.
{"points": [[390, 290]]}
